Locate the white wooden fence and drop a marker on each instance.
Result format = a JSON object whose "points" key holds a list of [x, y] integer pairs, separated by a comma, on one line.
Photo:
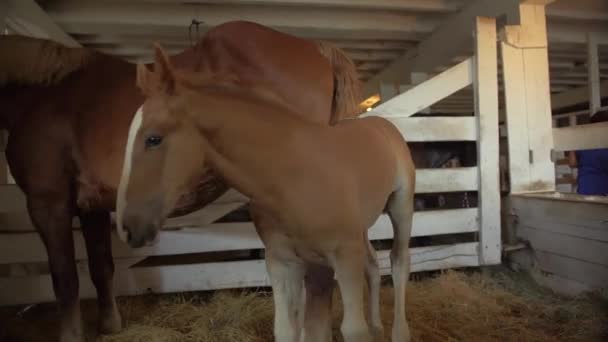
{"points": [[24, 279]]}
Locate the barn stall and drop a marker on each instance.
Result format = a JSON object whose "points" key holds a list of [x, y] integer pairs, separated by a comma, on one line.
{"points": [[485, 73]]}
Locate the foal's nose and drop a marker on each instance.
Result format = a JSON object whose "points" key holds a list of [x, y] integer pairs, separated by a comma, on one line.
{"points": [[141, 236]]}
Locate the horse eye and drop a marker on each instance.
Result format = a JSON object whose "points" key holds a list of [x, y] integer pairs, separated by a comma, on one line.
{"points": [[153, 141]]}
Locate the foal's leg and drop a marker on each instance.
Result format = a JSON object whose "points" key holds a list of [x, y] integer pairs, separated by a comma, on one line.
{"points": [[286, 279], [372, 273], [96, 227], [319, 283], [52, 216], [349, 265], [401, 211]]}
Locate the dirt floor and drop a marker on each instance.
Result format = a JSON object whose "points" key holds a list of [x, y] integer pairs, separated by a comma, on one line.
{"points": [[496, 305]]}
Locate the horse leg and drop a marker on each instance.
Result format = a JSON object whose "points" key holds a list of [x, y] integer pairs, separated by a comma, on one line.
{"points": [[53, 219], [349, 265], [286, 279], [372, 274], [319, 285], [401, 211], [96, 227]]}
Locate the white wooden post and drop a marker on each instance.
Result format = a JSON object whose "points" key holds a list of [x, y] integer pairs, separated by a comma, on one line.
{"points": [[528, 102], [593, 71], [486, 111], [417, 78]]}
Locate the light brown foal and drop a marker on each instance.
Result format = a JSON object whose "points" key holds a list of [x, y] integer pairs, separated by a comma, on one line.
{"points": [[308, 208]]}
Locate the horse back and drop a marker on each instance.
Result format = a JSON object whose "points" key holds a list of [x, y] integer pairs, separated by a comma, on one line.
{"points": [[262, 56]]}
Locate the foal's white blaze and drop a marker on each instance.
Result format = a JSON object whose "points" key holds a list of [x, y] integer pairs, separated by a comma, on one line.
{"points": [[121, 200]]}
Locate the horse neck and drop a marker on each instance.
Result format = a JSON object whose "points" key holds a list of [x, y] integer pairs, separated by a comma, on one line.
{"points": [[189, 59], [245, 138]]}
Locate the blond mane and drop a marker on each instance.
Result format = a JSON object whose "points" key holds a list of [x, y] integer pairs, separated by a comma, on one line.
{"points": [[38, 61]]}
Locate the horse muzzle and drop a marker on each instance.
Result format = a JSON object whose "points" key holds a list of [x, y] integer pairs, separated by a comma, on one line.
{"points": [[139, 232]]}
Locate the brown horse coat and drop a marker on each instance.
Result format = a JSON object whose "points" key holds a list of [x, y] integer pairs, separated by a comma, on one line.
{"points": [[68, 112], [314, 189]]}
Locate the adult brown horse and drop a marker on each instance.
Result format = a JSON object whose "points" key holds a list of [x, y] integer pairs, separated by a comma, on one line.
{"points": [[68, 112]]}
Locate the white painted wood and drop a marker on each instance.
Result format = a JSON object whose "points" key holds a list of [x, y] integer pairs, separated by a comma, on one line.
{"points": [[588, 273], [28, 247], [593, 72], [450, 39], [12, 199], [581, 137], [568, 235], [26, 17], [400, 5], [147, 17], [436, 257], [446, 180], [528, 109], [427, 93], [429, 223], [203, 217], [418, 129], [212, 276], [541, 238], [486, 112], [575, 96], [417, 78], [524, 260]]}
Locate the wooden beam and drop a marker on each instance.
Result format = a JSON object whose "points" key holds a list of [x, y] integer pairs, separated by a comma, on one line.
{"points": [[588, 10], [221, 237], [441, 6], [486, 112], [593, 71], [213, 275], [575, 96], [527, 97], [420, 129], [576, 32], [581, 137], [25, 17], [449, 40], [428, 92], [169, 18]]}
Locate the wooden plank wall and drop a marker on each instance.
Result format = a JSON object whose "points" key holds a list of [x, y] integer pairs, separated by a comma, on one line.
{"points": [[568, 239]]}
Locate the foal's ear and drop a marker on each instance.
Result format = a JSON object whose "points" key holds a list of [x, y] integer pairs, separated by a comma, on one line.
{"points": [[163, 69], [143, 78]]}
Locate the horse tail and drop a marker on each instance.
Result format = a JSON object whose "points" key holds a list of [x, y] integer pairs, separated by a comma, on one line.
{"points": [[347, 87], [28, 60]]}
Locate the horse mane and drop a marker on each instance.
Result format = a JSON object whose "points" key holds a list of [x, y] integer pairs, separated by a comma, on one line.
{"points": [[38, 61], [347, 87]]}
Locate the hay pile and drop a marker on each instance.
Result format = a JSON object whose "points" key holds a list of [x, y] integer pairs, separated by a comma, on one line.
{"points": [[454, 306]]}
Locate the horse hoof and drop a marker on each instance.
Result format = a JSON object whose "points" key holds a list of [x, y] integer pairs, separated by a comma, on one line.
{"points": [[110, 323]]}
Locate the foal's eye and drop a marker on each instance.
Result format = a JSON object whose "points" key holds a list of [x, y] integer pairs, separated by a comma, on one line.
{"points": [[153, 141]]}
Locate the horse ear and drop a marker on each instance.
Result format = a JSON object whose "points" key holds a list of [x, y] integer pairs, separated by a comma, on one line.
{"points": [[143, 78], [164, 69]]}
